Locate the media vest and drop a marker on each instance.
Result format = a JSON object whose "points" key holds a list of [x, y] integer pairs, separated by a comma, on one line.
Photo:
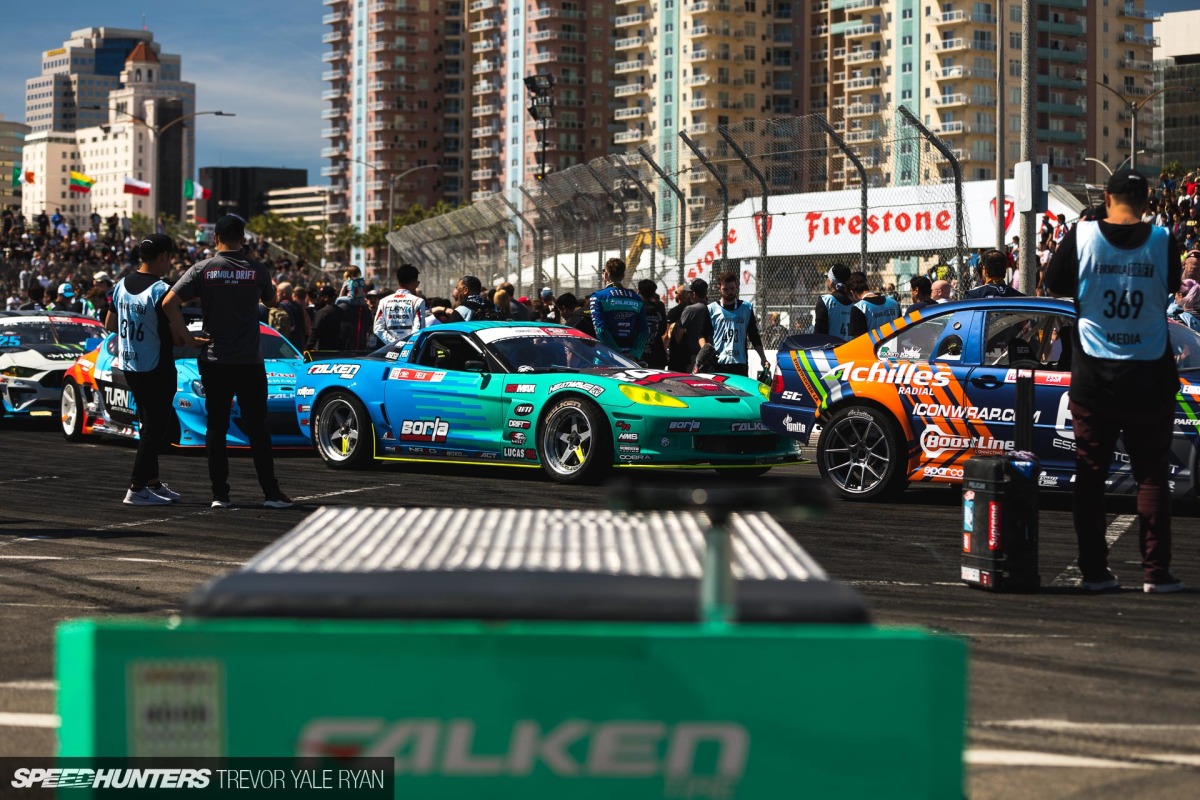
{"points": [[839, 316], [878, 314], [729, 331], [138, 344], [1121, 295]]}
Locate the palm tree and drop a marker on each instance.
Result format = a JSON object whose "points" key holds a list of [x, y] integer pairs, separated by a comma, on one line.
{"points": [[345, 239]]}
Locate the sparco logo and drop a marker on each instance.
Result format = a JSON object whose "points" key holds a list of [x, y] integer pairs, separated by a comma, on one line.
{"points": [[915, 374], [423, 430], [935, 441], [695, 759], [64, 778]]}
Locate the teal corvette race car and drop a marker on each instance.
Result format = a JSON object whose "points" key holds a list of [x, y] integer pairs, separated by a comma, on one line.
{"points": [[530, 395]]}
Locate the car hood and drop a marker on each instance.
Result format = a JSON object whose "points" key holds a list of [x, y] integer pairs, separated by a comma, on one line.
{"points": [[674, 384], [45, 355]]}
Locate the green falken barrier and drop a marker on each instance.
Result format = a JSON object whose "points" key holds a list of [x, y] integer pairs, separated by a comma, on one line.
{"points": [[535, 710]]}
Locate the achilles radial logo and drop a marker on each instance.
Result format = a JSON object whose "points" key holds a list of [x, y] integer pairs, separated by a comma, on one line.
{"points": [[424, 430]]}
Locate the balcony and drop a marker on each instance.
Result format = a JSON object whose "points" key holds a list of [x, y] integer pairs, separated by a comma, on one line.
{"points": [[484, 152], [483, 174], [863, 110], [625, 90], [1075, 137], [840, 77], [950, 128], [629, 113], [332, 113], [484, 87], [1129, 37], [482, 25], [333, 55], [1071, 29], [699, 129], [1078, 5], [484, 66], [961, 72], [332, 2], [959, 17], [551, 56], [377, 125], [862, 56], [1060, 109], [332, 171], [332, 75], [482, 195], [629, 66], [481, 5], [1133, 13], [333, 19], [483, 111], [854, 5], [697, 80], [858, 137], [1062, 162], [700, 104], [862, 83], [629, 19], [697, 202], [1060, 82], [332, 36], [545, 36], [696, 176], [330, 152], [631, 43], [629, 136], [332, 94], [1137, 66], [947, 100], [868, 29], [484, 132], [707, 7], [1058, 54], [484, 46]]}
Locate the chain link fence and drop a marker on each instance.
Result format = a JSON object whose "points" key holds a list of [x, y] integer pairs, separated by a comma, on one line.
{"points": [[776, 202]]}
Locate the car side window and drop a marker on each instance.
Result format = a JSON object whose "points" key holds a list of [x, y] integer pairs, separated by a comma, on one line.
{"points": [[1028, 339], [447, 351], [917, 342]]}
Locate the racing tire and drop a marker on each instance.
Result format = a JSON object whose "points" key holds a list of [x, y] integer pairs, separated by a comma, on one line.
{"points": [[574, 443], [342, 432], [71, 411], [861, 454]]}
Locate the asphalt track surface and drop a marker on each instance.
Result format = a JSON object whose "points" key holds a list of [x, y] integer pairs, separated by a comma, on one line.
{"points": [[1071, 695]]}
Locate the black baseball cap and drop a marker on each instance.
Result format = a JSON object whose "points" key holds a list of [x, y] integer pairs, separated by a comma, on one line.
{"points": [[700, 286], [230, 226], [155, 245], [1128, 183]]}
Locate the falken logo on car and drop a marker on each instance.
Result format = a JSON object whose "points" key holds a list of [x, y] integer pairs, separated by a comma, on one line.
{"points": [[520, 424], [523, 409], [305, 391], [424, 376], [520, 388], [688, 426], [343, 371], [627, 437], [748, 427], [590, 388], [516, 437], [906, 373], [518, 452], [791, 426], [423, 430]]}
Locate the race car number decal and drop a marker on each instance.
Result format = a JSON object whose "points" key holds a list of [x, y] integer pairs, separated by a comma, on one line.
{"points": [[343, 371], [406, 374]]}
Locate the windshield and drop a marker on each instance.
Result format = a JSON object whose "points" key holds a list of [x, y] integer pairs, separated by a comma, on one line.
{"points": [[21, 333], [550, 349], [269, 346], [1185, 343]]}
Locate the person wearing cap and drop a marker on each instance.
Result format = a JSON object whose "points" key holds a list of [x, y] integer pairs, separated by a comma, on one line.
{"points": [[145, 354], [66, 300], [230, 288], [922, 293], [549, 310], [1121, 272], [696, 323], [833, 309]]}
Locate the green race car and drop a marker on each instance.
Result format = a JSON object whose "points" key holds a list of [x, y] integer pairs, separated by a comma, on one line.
{"points": [[530, 395]]}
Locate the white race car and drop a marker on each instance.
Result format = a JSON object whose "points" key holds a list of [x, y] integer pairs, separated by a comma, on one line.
{"points": [[36, 348]]}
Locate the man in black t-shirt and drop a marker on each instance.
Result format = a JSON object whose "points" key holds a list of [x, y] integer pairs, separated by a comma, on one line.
{"points": [[1121, 271], [995, 264], [696, 323], [230, 288], [677, 351], [655, 354]]}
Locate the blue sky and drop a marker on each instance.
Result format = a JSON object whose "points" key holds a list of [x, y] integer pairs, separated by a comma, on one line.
{"points": [[260, 59]]}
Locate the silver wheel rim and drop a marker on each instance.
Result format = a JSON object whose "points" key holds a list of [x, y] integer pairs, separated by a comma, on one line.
{"points": [[857, 454], [567, 440], [70, 410], [338, 430]]}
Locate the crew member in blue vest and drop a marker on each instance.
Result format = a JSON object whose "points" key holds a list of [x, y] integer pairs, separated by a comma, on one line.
{"points": [[833, 309], [1121, 271], [995, 265], [870, 309], [145, 354], [619, 314], [734, 327]]}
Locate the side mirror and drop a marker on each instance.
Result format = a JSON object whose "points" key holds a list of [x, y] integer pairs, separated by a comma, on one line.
{"points": [[475, 366]]}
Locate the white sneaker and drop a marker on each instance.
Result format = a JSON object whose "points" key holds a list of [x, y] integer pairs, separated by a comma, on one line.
{"points": [[162, 490], [145, 497]]}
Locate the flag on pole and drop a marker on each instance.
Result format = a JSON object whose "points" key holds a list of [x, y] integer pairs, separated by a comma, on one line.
{"points": [[16, 176], [134, 186], [192, 190], [80, 182], [29, 176]]}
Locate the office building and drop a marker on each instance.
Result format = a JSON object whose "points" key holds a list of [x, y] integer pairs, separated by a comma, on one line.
{"points": [[1178, 107], [243, 190], [12, 141], [306, 203]]}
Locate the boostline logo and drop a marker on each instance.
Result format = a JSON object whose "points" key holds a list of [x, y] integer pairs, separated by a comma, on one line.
{"points": [[82, 778]]}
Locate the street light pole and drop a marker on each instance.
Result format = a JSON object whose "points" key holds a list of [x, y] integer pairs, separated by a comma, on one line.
{"points": [[392, 181], [1134, 108]]}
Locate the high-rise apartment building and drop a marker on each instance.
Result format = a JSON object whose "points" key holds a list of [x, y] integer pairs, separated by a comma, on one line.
{"points": [[12, 140], [941, 59], [397, 100], [244, 190], [1178, 106]]}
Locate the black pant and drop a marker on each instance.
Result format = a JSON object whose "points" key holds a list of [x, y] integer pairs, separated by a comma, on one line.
{"points": [[733, 369], [248, 382], [154, 392], [1147, 439]]}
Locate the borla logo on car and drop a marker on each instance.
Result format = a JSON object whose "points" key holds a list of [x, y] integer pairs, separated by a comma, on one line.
{"points": [[420, 430], [687, 426], [343, 371]]}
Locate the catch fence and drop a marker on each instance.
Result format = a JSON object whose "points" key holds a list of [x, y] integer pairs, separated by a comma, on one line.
{"points": [[776, 202]]}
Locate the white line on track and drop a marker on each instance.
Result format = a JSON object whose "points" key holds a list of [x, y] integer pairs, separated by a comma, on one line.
{"points": [[978, 757], [1080, 727], [30, 686], [47, 605], [121, 558], [30, 480], [10, 719], [1071, 575]]}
